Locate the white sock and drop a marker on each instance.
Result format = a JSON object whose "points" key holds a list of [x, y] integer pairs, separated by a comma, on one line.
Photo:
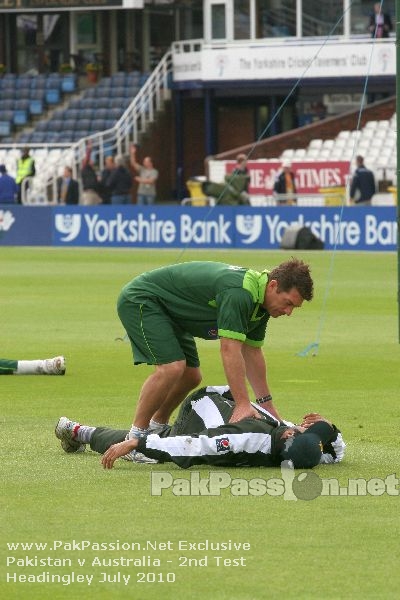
{"points": [[137, 432], [155, 426], [84, 434], [30, 367]]}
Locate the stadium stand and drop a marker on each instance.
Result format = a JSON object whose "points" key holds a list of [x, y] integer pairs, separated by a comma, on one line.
{"points": [[97, 109], [24, 98]]}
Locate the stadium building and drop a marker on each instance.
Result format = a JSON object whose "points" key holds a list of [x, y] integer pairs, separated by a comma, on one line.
{"points": [[233, 71]]}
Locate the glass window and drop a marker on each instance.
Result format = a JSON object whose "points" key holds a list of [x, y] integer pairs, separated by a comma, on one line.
{"points": [[86, 28], [241, 20], [191, 19], [275, 20], [27, 50], [320, 18], [218, 21], [361, 12]]}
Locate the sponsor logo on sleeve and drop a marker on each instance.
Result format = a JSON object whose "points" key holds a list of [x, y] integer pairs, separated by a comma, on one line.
{"points": [[223, 444]]}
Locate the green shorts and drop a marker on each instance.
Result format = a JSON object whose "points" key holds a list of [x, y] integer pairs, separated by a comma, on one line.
{"points": [[155, 338]]}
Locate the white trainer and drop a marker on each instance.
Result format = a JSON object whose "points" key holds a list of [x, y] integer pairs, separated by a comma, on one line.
{"points": [[138, 457], [54, 366], [64, 431]]}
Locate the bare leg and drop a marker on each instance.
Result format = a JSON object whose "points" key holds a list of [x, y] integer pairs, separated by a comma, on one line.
{"points": [[181, 388], [156, 389]]}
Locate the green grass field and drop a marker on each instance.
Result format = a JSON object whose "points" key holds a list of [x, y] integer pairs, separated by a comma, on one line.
{"points": [[59, 301]]}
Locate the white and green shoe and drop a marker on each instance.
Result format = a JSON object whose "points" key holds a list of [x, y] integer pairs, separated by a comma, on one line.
{"points": [[65, 433], [54, 366]]}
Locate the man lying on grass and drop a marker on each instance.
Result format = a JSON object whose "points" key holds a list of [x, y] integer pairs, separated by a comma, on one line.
{"points": [[202, 434]]}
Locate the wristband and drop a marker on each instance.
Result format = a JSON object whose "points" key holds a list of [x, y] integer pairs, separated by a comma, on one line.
{"points": [[267, 398]]}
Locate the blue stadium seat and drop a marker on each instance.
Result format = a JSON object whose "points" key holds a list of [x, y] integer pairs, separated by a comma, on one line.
{"points": [[8, 93], [5, 128], [42, 126], [21, 104], [38, 137], [55, 125], [105, 82], [23, 93], [37, 94], [38, 82], [83, 125], [118, 92], [116, 103], [98, 125], [69, 125], [53, 96], [72, 113], [25, 138], [20, 117], [115, 113], [101, 113], [86, 113], [76, 104], [36, 107], [53, 137], [132, 90], [6, 104], [143, 78], [91, 92], [69, 83], [53, 81], [7, 115], [87, 103], [23, 82], [118, 78], [68, 135], [9, 80], [104, 102]]}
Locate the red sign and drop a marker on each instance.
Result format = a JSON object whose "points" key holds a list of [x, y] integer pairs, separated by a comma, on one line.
{"points": [[310, 177]]}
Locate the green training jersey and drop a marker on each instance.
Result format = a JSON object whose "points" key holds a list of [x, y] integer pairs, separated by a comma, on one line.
{"points": [[207, 299]]}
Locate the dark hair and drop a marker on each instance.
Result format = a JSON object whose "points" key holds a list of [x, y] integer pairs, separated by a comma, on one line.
{"points": [[293, 273]]}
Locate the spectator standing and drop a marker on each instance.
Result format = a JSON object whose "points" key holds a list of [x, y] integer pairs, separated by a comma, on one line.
{"points": [[380, 23], [8, 187], [90, 184], [105, 190], [67, 188], [363, 182], [242, 171], [285, 184], [146, 179], [120, 183], [25, 168]]}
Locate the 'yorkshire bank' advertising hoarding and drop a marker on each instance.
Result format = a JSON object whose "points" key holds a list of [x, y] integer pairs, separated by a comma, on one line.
{"points": [[310, 177], [226, 227]]}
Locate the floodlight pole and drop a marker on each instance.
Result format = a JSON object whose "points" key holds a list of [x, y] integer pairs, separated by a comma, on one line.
{"points": [[398, 153]]}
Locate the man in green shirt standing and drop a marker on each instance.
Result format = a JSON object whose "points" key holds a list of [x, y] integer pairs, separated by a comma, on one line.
{"points": [[163, 311]]}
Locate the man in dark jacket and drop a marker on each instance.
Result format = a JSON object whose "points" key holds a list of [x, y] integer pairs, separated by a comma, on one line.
{"points": [[8, 187], [285, 186], [120, 183], [67, 188], [363, 182], [380, 23]]}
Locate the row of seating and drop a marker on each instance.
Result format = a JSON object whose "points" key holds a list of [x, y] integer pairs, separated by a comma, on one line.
{"points": [[98, 109], [25, 97], [376, 142]]}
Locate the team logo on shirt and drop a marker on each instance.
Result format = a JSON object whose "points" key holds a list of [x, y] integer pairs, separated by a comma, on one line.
{"points": [[223, 445], [212, 333]]}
